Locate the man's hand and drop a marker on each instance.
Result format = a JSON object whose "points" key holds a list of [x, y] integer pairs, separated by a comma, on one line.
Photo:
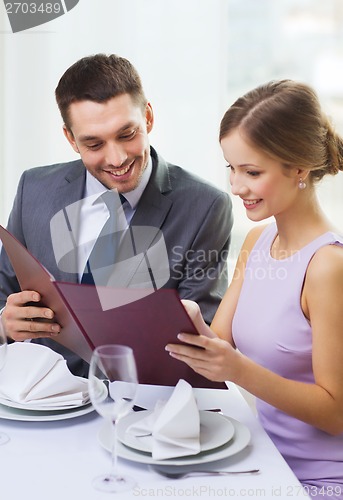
{"points": [[23, 320]]}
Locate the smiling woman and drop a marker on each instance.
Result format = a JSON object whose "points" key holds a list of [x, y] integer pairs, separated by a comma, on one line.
{"points": [[257, 178], [278, 331]]}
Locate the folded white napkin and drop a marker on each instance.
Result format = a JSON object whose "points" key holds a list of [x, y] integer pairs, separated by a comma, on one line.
{"points": [[37, 376], [175, 425]]}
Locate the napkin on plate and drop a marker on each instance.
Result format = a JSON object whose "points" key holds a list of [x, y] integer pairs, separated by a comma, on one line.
{"points": [[36, 376], [175, 425]]}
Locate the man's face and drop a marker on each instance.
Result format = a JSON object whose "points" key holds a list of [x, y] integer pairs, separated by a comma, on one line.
{"points": [[112, 140]]}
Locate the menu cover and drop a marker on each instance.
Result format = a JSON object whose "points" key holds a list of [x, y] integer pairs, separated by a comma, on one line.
{"points": [[146, 324], [33, 276]]}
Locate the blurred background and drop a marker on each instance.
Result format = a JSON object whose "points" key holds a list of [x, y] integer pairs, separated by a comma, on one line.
{"points": [[195, 58]]}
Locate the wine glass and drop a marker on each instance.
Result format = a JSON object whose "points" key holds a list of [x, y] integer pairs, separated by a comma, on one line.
{"points": [[4, 438], [112, 388]]}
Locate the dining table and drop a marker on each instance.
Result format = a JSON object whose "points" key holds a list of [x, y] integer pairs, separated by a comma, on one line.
{"points": [[57, 459]]}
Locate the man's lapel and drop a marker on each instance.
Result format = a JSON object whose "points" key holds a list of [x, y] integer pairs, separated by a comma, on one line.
{"points": [[151, 212], [64, 224], [153, 207]]}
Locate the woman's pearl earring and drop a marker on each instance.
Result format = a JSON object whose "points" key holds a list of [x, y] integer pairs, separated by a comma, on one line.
{"points": [[302, 184]]}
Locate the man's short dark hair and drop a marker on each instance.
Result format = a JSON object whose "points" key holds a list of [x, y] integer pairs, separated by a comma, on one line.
{"points": [[98, 78]]}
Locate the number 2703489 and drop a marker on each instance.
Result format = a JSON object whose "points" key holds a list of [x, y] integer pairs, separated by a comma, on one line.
{"points": [[32, 8]]}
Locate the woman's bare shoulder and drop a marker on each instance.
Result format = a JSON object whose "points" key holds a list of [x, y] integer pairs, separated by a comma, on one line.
{"points": [[252, 236], [327, 263]]}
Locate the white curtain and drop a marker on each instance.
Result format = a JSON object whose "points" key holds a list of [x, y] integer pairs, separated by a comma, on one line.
{"points": [[179, 50]]}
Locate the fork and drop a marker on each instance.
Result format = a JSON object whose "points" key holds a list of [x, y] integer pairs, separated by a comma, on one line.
{"points": [[179, 475]]}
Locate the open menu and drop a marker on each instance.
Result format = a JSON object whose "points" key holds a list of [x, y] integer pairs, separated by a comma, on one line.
{"points": [[146, 324]]}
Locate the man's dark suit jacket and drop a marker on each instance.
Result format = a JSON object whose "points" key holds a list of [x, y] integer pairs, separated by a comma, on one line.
{"points": [[194, 217]]}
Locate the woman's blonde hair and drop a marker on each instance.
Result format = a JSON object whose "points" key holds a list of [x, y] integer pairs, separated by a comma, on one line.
{"points": [[285, 120]]}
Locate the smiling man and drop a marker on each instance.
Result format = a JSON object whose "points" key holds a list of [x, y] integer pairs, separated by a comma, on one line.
{"points": [[107, 120], [112, 139]]}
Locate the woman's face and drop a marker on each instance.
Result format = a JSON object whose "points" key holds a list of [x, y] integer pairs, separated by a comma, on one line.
{"points": [[264, 185]]}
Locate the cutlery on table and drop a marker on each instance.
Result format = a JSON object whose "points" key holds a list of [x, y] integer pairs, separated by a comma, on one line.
{"points": [[179, 475], [141, 408]]}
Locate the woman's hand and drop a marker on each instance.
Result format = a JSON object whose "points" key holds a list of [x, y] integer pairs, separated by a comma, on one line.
{"points": [[216, 359], [193, 311]]}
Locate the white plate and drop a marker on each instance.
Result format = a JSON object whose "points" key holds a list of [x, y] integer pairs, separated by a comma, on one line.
{"points": [[215, 430], [50, 408], [240, 440], [24, 406], [40, 416]]}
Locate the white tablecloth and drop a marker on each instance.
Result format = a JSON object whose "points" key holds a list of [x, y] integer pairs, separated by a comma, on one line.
{"points": [[57, 460]]}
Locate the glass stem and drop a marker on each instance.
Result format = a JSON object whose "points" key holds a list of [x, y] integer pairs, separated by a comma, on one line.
{"points": [[114, 458]]}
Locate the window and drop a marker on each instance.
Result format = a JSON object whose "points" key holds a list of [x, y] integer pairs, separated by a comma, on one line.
{"points": [[298, 39]]}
